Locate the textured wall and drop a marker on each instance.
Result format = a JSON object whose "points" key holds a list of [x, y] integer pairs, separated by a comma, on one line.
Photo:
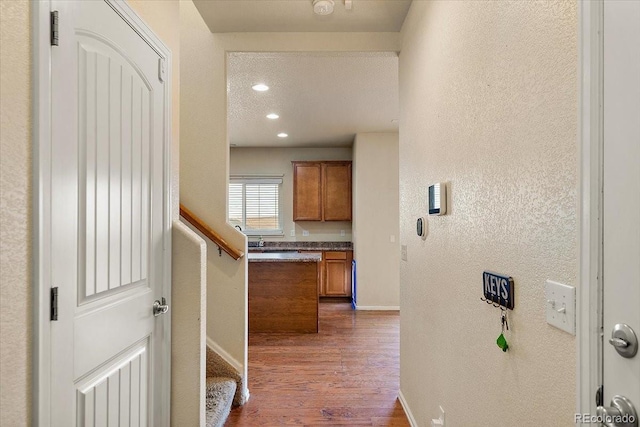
{"points": [[204, 159], [376, 219], [188, 327], [488, 95], [15, 220], [278, 161]]}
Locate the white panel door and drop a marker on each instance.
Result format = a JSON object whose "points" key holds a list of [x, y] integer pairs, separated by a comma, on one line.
{"points": [[109, 353], [621, 216]]}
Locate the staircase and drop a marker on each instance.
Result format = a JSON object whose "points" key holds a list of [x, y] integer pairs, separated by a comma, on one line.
{"points": [[224, 389], [224, 386]]}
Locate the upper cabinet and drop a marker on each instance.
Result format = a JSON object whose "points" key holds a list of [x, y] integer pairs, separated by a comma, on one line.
{"points": [[322, 191], [307, 191], [336, 191]]}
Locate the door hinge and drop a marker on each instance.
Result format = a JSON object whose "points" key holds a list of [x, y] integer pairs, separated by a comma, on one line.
{"points": [[54, 303], [599, 396], [54, 28]]}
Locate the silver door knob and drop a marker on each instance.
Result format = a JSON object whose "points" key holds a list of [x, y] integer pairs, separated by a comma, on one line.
{"points": [[160, 307], [621, 413]]}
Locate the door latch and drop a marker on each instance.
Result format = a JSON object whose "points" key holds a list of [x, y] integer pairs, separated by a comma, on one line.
{"points": [[624, 340]]}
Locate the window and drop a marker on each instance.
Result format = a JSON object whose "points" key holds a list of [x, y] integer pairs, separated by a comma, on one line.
{"points": [[254, 205]]}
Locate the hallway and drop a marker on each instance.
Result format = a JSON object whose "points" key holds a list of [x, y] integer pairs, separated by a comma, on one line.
{"points": [[345, 375]]}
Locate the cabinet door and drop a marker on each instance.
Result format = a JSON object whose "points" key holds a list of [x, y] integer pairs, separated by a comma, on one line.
{"points": [[307, 191], [335, 278], [337, 274], [336, 191]]}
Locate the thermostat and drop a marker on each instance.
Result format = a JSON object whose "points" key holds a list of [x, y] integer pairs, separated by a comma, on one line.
{"points": [[438, 199], [421, 227]]}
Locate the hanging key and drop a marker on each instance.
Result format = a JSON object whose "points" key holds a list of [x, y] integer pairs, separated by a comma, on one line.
{"points": [[502, 341]]}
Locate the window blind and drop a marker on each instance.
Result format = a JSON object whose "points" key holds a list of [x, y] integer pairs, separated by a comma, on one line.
{"points": [[254, 205]]}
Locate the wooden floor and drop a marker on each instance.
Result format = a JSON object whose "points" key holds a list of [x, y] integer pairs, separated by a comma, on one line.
{"points": [[347, 374]]}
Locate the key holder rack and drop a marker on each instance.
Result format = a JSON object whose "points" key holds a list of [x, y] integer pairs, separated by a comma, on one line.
{"points": [[498, 290]]}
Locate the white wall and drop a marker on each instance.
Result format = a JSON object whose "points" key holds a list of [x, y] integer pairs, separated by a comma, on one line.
{"points": [[488, 99], [376, 221], [188, 327], [204, 169], [205, 150], [278, 161]]}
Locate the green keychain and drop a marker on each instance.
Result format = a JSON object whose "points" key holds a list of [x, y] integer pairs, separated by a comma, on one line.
{"points": [[502, 341]]}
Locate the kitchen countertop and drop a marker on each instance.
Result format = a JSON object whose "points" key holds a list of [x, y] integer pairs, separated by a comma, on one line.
{"points": [[300, 246], [284, 257]]}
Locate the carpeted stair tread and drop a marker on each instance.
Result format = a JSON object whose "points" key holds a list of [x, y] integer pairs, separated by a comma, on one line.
{"points": [[218, 367], [220, 392]]}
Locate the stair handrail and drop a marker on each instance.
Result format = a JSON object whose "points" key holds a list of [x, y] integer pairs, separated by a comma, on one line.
{"points": [[210, 233]]}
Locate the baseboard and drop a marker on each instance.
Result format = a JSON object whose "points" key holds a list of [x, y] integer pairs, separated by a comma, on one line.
{"points": [[226, 356], [378, 307], [407, 411]]}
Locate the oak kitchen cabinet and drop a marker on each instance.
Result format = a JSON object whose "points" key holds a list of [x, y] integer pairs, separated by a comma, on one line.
{"points": [[334, 273], [337, 274], [322, 191]]}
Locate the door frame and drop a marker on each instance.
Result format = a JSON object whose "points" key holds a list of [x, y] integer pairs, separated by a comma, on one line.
{"points": [[41, 202], [591, 140]]}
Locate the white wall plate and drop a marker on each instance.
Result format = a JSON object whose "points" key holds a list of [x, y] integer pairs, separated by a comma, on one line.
{"points": [[561, 306]]}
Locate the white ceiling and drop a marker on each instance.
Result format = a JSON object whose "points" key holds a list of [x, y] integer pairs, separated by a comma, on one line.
{"points": [[323, 99], [224, 16]]}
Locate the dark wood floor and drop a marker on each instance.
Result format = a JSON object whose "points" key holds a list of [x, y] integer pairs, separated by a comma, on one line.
{"points": [[347, 374]]}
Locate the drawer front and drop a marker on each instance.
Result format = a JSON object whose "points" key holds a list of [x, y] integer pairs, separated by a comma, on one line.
{"points": [[335, 255]]}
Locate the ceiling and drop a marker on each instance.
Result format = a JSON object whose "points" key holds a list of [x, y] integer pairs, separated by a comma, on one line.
{"points": [[323, 99], [224, 16]]}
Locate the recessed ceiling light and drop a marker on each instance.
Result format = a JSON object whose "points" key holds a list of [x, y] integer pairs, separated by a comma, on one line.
{"points": [[282, 135], [273, 116], [260, 87]]}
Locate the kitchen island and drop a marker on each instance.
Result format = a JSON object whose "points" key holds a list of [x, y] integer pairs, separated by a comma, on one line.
{"points": [[283, 292]]}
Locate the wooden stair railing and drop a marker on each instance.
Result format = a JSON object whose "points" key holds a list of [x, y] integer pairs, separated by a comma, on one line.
{"points": [[223, 245]]}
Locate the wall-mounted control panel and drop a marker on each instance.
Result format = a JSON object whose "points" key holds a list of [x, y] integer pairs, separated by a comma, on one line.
{"points": [[438, 199], [421, 227]]}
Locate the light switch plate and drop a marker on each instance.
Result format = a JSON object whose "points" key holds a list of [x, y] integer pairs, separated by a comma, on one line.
{"points": [[305, 233], [440, 421], [292, 233], [561, 306]]}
